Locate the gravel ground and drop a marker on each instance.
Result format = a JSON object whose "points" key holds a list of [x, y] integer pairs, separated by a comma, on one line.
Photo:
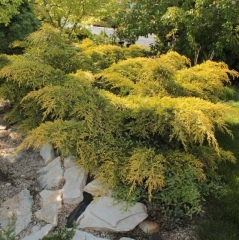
{"points": [[19, 172]]}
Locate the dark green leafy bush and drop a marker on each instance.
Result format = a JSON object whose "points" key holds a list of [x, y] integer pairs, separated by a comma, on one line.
{"points": [[20, 26]]}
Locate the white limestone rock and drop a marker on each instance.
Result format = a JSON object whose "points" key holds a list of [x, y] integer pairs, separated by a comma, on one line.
{"points": [[2, 127], [21, 206], [35, 228], [48, 214], [104, 214], [95, 188], [49, 198], [75, 180], [51, 175], [47, 153], [51, 201], [80, 235], [39, 234]]}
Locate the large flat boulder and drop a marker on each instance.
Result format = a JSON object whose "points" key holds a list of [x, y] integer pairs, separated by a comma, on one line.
{"points": [[104, 215], [75, 180], [48, 214], [2, 127], [21, 206], [51, 175], [51, 201], [49, 198], [95, 188]]}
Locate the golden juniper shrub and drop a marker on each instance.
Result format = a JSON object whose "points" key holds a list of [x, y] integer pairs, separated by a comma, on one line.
{"points": [[206, 80], [175, 118], [45, 36], [131, 68], [62, 134], [19, 78], [115, 82], [74, 99], [145, 168], [47, 45], [104, 55], [131, 72], [177, 162], [4, 60], [129, 127], [31, 74], [197, 123], [175, 60], [28, 119], [90, 135], [168, 75], [134, 51], [85, 44], [152, 77]]}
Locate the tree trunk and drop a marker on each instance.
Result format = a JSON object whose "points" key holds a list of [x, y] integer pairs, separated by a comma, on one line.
{"points": [[196, 56]]}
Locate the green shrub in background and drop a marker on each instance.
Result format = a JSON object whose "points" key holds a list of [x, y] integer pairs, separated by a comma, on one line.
{"points": [[102, 39], [82, 33], [20, 26], [79, 34]]}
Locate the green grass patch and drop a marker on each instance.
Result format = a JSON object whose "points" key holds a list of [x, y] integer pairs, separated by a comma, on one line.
{"points": [[222, 222], [214, 229]]}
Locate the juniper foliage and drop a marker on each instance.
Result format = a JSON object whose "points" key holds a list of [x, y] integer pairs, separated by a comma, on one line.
{"points": [[137, 125]]}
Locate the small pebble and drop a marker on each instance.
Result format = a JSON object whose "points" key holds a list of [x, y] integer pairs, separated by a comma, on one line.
{"points": [[8, 184]]}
